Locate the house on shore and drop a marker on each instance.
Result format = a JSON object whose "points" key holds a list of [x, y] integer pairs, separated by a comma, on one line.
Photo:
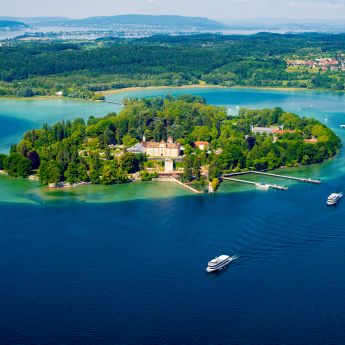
{"points": [[202, 145], [163, 149], [261, 130], [271, 130]]}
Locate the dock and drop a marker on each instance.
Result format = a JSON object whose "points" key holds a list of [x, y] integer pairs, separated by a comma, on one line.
{"points": [[172, 179], [300, 179], [111, 102], [187, 186], [256, 184]]}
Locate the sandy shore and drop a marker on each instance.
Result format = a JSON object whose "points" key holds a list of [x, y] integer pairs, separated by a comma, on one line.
{"points": [[203, 86]]}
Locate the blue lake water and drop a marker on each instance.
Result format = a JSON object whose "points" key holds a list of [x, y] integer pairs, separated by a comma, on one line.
{"points": [[126, 264]]}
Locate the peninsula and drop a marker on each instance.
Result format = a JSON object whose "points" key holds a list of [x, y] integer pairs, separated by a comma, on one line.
{"points": [[83, 70]]}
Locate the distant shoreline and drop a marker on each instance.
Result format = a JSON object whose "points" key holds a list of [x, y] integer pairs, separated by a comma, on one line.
{"points": [[148, 88]]}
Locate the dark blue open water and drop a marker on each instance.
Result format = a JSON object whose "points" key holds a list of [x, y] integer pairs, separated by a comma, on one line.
{"points": [[133, 272]]}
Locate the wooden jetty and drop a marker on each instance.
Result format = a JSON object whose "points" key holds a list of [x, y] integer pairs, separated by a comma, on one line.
{"points": [[256, 184], [172, 179], [187, 186], [300, 179]]}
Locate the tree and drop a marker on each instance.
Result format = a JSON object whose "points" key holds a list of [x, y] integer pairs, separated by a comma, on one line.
{"points": [[82, 173], [129, 141], [107, 153], [109, 175], [213, 170], [17, 165], [95, 169], [34, 158], [43, 173], [197, 168], [54, 172], [2, 159], [250, 142], [187, 175], [72, 173]]}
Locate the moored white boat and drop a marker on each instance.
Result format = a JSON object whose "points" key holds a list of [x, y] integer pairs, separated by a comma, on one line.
{"points": [[218, 263], [262, 186]]}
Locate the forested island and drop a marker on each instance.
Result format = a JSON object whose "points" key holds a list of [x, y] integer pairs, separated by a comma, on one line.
{"points": [[209, 142], [84, 69]]}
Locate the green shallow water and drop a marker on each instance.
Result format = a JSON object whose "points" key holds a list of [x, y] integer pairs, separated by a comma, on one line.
{"points": [[28, 192]]}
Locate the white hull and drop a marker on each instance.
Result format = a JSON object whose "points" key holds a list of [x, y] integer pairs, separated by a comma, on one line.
{"points": [[334, 198], [219, 267]]}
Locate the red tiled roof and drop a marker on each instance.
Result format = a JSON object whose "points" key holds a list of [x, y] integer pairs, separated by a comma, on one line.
{"points": [[282, 131], [198, 143]]}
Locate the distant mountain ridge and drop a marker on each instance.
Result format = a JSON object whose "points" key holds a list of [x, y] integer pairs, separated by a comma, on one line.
{"points": [[127, 19], [272, 24], [11, 24], [151, 20]]}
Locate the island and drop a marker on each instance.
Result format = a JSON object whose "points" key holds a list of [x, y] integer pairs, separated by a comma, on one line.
{"points": [[165, 137]]}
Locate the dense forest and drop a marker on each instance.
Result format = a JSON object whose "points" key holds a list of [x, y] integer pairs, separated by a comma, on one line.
{"points": [[96, 151], [81, 70]]}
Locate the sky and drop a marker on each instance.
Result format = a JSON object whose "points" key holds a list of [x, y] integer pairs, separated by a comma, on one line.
{"points": [[217, 9]]}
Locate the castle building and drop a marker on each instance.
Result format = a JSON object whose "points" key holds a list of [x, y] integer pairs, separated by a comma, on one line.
{"points": [[167, 149]]}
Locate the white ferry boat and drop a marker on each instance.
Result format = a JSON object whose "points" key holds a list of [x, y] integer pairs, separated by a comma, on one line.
{"points": [[218, 263], [334, 198]]}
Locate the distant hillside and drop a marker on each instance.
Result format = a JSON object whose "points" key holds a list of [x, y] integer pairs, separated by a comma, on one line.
{"points": [[317, 25], [130, 19], [38, 21], [165, 21], [10, 24]]}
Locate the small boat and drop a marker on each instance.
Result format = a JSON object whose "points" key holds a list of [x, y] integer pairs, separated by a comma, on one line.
{"points": [[342, 126], [262, 186], [334, 198], [218, 263]]}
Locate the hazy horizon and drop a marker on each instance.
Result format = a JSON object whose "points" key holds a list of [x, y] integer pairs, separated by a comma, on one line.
{"points": [[217, 9]]}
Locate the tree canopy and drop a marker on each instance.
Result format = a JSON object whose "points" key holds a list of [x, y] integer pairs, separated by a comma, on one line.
{"points": [[96, 151]]}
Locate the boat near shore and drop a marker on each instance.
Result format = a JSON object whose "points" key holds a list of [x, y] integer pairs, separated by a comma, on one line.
{"points": [[334, 198]]}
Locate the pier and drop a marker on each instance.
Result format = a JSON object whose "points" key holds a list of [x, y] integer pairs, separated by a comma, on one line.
{"points": [[257, 184], [172, 179], [300, 179], [187, 186], [111, 102]]}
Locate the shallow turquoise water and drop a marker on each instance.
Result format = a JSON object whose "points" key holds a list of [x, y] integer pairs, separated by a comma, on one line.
{"points": [[126, 264], [17, 116]]}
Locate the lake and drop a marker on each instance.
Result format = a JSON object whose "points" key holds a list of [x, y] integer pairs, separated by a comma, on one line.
{"points": [[126, 264]]}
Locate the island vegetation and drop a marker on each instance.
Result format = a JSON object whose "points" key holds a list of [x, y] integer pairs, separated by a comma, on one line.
{"points": [[97, 151], [84, 69]]}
